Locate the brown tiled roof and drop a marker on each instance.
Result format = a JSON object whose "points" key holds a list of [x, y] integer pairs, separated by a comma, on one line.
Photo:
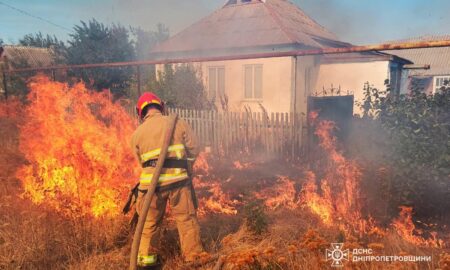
{"points": [[437, 58], [19, 56], [269, 24]]}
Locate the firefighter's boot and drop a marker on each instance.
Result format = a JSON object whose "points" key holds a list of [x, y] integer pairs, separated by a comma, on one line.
{"points": [[150, 262]]}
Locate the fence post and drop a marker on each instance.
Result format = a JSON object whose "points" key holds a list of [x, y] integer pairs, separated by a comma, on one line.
{"points": [[266, 131], [278, 129], [291, 134], [5, 85], [203, 126], [282, 134], [229, 129], [219, 132], [258, 128], [232, 128]]}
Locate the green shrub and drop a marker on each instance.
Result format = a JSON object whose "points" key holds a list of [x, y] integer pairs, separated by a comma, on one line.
{"points": [[417, 126]]}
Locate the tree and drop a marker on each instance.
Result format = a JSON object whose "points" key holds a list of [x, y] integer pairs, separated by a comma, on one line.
{"points": [[41, 41], [57, 46], [93, 42], [146, 40], [181, 87]]}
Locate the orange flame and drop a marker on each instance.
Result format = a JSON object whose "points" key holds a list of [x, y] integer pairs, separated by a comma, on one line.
{"points": [[76, 143], [80, 164], [201, 165], [405, 227], [338, 197], [242, 165], [283, 194], [338, 200], [321, 205], [217, 202]]}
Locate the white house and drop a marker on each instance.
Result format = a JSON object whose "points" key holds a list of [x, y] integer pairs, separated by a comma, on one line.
{"points": [[281, 84]]}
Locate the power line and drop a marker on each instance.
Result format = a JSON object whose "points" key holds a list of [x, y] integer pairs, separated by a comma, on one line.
{"points": [[34, 16]]}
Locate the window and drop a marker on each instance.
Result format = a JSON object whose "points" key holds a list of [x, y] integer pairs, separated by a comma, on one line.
{"points": [[216, 81], [253, 81], [439, 82]]}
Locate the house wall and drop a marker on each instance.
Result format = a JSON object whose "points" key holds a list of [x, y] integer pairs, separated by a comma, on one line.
{"points": [[288, 81], [276, 83], [277, 80], [352, 77], [307, 69]]}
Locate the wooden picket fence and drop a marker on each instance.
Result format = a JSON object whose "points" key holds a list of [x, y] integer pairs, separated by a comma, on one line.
{"points": [[279, 134]]}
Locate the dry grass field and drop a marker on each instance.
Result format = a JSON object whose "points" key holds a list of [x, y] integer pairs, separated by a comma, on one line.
{"points": [[255, 213]]}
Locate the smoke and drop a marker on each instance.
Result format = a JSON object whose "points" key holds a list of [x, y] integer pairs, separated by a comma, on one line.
{"points": [[348, 23], [364, 22], [175, 14]]}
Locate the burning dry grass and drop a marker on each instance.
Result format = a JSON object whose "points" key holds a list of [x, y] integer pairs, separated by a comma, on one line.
{"points": [[75, 141], [305, 208]]}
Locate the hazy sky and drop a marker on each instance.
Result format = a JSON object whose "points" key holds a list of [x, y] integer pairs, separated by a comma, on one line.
{"points": [[355, 21]]}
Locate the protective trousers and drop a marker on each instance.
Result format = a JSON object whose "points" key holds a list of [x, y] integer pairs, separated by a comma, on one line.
{"points": [[183, 206]]}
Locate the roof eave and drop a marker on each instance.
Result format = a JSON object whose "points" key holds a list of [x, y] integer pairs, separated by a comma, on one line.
{"points": [[228, 51], [397, 59], [357, 57]]}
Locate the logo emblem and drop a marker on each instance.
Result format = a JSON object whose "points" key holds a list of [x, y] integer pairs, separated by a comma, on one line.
{"points": [[336, 254]]}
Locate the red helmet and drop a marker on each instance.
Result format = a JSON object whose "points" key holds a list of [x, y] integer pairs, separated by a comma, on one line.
{"points": [[147, 99]]}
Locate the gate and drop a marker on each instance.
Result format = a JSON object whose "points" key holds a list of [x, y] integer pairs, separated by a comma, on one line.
{"points": [[338, 109]]}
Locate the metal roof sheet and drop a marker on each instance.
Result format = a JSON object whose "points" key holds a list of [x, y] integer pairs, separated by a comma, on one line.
{"points": [[27, 56], [437, 58]]}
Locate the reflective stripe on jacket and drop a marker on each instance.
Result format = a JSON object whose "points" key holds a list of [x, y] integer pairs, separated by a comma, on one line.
{"points": [[177, 150], [147, 140]]}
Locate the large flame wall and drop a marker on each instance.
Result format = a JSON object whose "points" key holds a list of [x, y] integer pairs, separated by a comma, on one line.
{"points": [[76, 143], [79, 163]]}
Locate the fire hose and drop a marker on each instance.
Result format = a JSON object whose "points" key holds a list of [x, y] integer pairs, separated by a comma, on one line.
{"points": [[150, 192]]}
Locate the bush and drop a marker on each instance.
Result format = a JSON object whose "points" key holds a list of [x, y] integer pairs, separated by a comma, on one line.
{"points": [[417, 126]]}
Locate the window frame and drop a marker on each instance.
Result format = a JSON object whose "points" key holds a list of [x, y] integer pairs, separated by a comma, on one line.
{"points": [[253, 82], [217, 87], [437, 84]]}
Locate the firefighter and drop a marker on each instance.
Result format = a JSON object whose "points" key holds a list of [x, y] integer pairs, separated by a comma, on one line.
{"points": [[174, 185]]}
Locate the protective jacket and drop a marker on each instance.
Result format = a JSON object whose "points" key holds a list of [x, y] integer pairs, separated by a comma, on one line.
{"points": [[147, 140]]}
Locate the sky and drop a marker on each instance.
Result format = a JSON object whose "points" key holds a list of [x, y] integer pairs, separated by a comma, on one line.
{"points": [[355, 21]]}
